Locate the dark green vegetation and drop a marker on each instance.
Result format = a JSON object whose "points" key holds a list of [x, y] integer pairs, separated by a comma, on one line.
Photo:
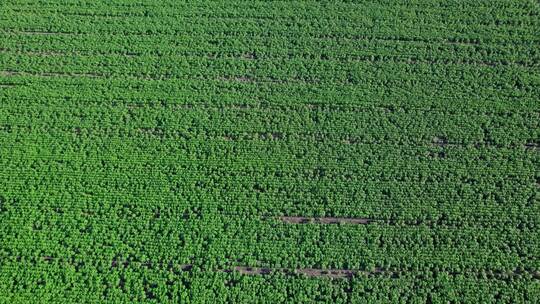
{"points": [[155, 150]]}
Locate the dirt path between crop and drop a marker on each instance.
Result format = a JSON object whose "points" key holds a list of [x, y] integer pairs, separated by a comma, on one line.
{"points": [[325, 220], [309, 272], [246, 270]]}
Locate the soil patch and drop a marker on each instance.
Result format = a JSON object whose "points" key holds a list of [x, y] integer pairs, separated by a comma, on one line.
{"points": [[324, 220], [309, 272]]}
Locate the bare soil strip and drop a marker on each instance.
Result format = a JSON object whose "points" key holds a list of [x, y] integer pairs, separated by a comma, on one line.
{"points": [[324, 220], [246, 270], [309, 272], [170, 265], [51, 74], [532, 146], [237, 79], [8, 73]]}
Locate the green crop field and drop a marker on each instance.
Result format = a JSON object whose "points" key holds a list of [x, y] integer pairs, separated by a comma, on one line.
{"points": [[234, 151]]}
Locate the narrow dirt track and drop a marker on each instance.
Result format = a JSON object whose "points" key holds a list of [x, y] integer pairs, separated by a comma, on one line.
{"points": [[325, 220], [310, 272]]}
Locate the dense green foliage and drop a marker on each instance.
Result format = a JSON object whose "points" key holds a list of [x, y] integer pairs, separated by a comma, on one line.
{"points": [[147, 148]]}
